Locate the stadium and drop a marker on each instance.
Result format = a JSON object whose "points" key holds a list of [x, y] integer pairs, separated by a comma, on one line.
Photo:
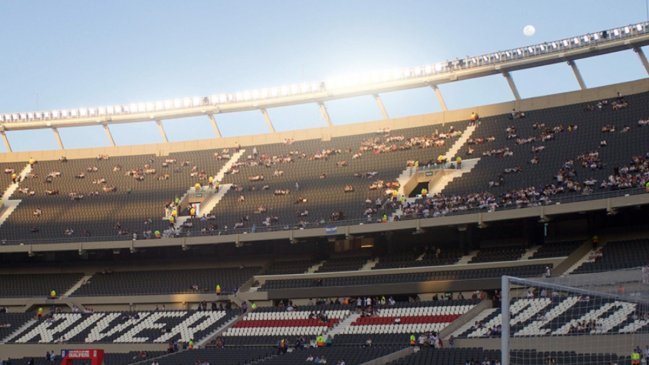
{"points": [[503, 233]]}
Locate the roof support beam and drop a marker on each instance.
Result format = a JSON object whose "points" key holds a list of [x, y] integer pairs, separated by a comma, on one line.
{"points": [[5, 139], [381, 106], [643, 58], [109, 134], [512, 85], [215, 126], [440, 98], [57, 136], [575, 70], [163, 133], [269, 122], [325, 114]]}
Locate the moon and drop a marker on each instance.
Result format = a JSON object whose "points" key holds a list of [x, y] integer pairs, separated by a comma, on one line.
{"points": [[529, 30]]}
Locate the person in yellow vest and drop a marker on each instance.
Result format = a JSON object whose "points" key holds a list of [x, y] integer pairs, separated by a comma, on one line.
{"points": [[458, 162], [210, 181], [441, 159], [217, 185], [385, 218], [174, 212], [191, 344], [172, 220], [197, 186], [192, 212], [424, 192], [14, 178], [473, 118], [218, 289], [39, 312], [635, 357], [31, 161], [395, 195], [52, 294], [253, 306], [156, 234], [320, 341], [282, 347], [413, 340], [416, 165]]}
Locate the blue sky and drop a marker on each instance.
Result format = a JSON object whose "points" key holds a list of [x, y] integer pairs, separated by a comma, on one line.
{"points": [[67, 54]]}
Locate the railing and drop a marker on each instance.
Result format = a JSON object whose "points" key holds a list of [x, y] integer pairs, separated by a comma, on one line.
{"points": [[334, 225]]}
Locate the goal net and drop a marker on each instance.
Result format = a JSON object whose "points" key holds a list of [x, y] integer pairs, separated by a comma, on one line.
{"points": [[585, 319]]}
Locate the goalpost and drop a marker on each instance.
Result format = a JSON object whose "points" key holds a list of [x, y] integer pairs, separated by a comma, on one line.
{"points": [[592, 319]]}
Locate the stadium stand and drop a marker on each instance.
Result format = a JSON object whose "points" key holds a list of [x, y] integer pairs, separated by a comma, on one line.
{"points": [[166, 281], [498, 254], [123, 327], [109, 358], [564, 133], [561, 316], [447, 256], [555, 249], [617, 255], [351, 262], [522, 271], [10, 322], [450, 356], [571, 153], [103, 198], [334, 354], [289, 267], [36, 285], [524, 162], [267, 325], [226, 356], [392, 325]]}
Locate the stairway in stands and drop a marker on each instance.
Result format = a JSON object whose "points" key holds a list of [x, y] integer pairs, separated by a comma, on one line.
{"points": [[443, 176], [9, 205], [342, 325], [213, 198]]}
